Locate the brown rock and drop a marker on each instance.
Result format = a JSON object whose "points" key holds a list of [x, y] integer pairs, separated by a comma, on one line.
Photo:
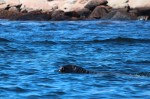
{"points": [[84, 13], [72, 14], [59, 15], [93, 3], [13, 9], [99, 12], [37, 15], [5, 14]]}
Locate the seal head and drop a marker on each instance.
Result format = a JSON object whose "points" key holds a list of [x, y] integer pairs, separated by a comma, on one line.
{"points": [[73, 69]]}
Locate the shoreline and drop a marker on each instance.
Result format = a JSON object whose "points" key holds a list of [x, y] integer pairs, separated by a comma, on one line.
{"points": [[75, 10]]}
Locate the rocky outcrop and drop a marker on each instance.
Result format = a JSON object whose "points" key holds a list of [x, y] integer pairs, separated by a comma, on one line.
{"points": [[99, 12], [74, 9]]}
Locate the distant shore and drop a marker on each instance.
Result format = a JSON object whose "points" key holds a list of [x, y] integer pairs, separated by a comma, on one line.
{"points": [[59, 10]]}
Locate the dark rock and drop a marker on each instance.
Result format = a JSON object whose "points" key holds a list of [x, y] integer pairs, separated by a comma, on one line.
{"points": [[35, 15], [117, 14], [143, 11], [72, 14], [84, 13], [99, 12], [5, 14], [94, 3], [59, 15], [133, 13]]}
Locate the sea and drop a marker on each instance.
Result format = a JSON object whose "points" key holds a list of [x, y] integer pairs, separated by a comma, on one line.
{"points": [[31, 53]]}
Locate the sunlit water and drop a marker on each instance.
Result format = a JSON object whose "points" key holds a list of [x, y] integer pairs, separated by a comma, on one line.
{"points": [[32, 52]]}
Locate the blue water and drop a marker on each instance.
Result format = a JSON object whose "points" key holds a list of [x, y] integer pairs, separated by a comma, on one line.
{"points": [[32, 52]]}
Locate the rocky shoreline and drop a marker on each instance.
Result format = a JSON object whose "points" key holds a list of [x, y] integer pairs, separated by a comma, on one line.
{"points": [[59, 10]]}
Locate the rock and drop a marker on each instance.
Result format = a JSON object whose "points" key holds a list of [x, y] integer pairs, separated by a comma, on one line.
{"points": [[84, 13], [139, 3], [99, 12], [14, 9], [118, 3], [36, 4], [68, 6], [94, 3], [3, 6], [72, 14], [120, 15], [133, 13], [2, 2], [59, 15], [5, 14], [13, 2], [117, 14], [37, 15], [54, 5]]}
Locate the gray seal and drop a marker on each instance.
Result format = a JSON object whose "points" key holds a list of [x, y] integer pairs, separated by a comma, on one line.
{"points": [[77, 69]]}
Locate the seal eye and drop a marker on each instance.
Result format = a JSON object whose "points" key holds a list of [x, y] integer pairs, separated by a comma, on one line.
{"points": [[61, 69]]}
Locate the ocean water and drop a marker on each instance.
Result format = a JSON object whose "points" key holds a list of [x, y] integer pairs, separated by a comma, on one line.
{"points": [[32, 52]]}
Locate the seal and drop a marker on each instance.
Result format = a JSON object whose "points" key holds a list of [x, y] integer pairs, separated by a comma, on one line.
{"points": [[77, 69], [74, 69]]}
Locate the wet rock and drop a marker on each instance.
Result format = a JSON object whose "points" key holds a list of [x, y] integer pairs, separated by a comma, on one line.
{"points": [[36, 16], [94, 3], [99, 12]]}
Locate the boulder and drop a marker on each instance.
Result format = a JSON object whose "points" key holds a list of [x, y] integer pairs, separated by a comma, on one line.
{"points": [[59, 15], [99, 12], [118, 3], [67, 5], [3, 6], [94, 3], [72, 14], [54, 5], [118, 15], [37, 15], [5, 14], [14, 9], [139, 3], [84, 13], [36, 4]]}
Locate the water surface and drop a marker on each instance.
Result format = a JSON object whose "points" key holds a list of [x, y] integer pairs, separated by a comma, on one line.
{"points": [[32, 52]]}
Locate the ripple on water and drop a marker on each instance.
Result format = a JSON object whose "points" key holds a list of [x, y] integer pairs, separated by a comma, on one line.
{"points": [[32, 52]]}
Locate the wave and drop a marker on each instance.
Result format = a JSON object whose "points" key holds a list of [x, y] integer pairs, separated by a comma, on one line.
{"points": [[45, 42], [124, 40], [111, 40], [139, 62], [4, 40]]}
